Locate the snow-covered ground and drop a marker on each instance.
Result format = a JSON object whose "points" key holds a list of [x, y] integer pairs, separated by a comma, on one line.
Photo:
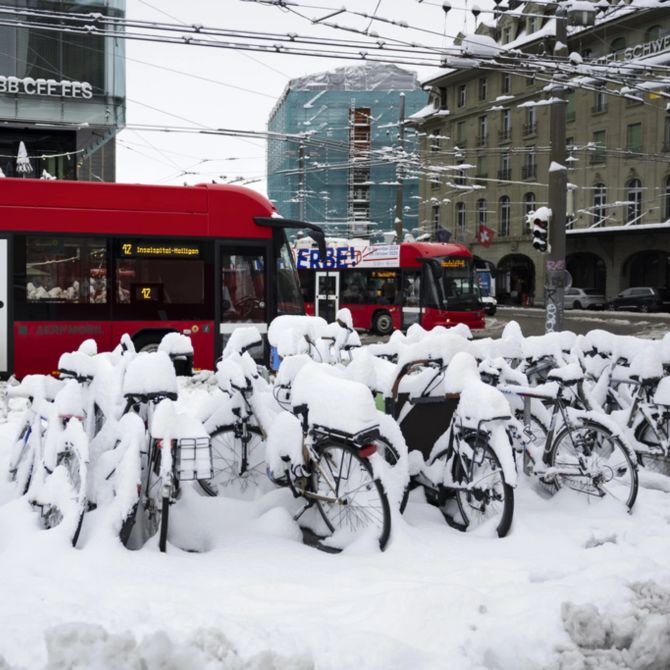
{"points": [[574, 586]]}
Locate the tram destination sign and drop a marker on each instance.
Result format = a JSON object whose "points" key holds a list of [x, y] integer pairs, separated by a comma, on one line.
{"points": [[46, 87], [158, 250]]}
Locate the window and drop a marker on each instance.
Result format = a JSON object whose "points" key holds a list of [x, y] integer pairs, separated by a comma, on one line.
{"points": [[599, 102], [599, 204], [506, 86], [460, 133], [460, 220], [162, 279], [66, 270], [634, 137], [529, 205], [600, 144], [531, 24], [506, 130], [481, 167], [460, 174], [666, 134], [483, 88], [666, 199], [377, 287], [619, 44], [530, 127], [530, 164], [461, 95], [435, 216], [481, 212], [634, 201], [434, 181], [507, 35], [505, 167], [652, 34], [243, 285], [503, 229], [570, 107], [435, 140], [483, 130], [530, 80]]}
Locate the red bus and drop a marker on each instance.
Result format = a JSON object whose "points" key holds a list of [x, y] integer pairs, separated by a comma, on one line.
{"points": [[391, 286], [85, 260]]}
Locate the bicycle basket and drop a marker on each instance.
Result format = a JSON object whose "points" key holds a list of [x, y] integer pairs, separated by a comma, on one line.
{"points": [[194, 458]]}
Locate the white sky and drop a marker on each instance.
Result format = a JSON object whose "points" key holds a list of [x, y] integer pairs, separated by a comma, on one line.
{"points": [[235, 89]]}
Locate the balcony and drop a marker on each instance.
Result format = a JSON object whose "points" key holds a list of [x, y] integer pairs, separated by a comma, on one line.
{"points": [[482, 140], [505, 135], [505, 174], [530, 129], [529, 171], [461, 144]]}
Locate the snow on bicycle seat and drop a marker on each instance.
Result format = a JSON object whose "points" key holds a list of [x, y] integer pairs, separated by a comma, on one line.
{"points": [[150, 373], [36, 386], [77, 364], [567, 375], [333, 401], [287, 332]]}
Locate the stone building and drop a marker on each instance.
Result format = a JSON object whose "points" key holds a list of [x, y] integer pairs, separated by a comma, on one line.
{"points": [[495, 123]]}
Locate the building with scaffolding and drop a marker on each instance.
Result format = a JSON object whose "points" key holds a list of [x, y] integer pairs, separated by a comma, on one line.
{"points": [[62, 94], [336, 152]]}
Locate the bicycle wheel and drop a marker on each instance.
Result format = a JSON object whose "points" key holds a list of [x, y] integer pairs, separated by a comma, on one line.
{"points": [[238, 462], [538, 434], [390, 454], [153, 500], [589, 459], [485, 497], [68, 482], [348, 495], [656, 458], [22, 462]]}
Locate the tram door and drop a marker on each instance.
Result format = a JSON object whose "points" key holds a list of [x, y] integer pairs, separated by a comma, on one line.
{"points": [[327, 295], [4, 309]]}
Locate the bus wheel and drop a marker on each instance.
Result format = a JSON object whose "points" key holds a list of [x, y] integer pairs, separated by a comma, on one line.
{"points": [[382, 323], [147, 344]]}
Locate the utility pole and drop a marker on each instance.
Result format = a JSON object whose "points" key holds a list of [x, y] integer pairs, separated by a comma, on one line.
{"points": [[554, 278], [301, 183], [399, 170]]}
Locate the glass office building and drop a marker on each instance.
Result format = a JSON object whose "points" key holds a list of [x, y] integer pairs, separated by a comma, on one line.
{"points": [[335, 152], [61, 93]]}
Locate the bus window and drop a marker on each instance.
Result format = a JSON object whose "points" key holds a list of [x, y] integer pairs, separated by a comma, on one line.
{"points": [[158, 278], [385, 283], [289, 299], [354, 287], [243, 285], [411, 288], [66, 270]]}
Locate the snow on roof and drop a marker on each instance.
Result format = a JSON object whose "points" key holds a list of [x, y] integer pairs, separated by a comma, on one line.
{"points": [[366, 77]]}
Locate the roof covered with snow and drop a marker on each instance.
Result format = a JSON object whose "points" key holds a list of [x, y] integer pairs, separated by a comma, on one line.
{"points": [[366, 77]]}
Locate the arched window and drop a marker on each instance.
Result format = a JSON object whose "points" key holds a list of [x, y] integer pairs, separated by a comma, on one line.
{"points": [[634, 201], [481, 212], [503, 228], [619, 44], [666, 199], [652, 34], [599, 201], [529, 205]]}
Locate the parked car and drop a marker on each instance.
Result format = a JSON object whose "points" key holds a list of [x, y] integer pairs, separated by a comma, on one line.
{"points": [[490, 304], [584, 298], [642, 299]]}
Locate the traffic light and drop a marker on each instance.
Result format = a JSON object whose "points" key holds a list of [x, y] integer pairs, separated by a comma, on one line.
{"points": [[540, 219]]}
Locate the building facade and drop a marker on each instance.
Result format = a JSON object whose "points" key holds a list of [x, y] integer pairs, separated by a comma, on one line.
{"points": [[62, 94], [343, 164], [495, 122]]}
